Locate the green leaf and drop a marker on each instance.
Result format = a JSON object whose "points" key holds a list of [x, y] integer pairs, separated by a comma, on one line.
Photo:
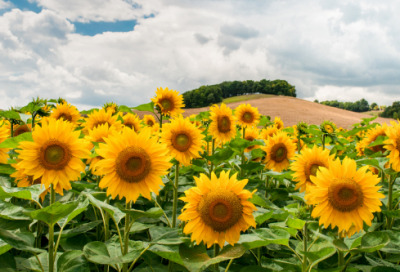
{"points": [[317, 256], [340, 245], [97, 252], [114, 212], [252, 167], [257, 153], [137, 226], [276, 236], [8, 263], [10, 114], [32, 107], [14, 224], [221, 156], [261, 217], [4, 247], [393, 213], [264, 120], [295, 223], [145, 107], [261, 201], [6, 169], [151, 213], [373, 241], [32, 263], [72, 261], [239, 144], [12, 212], [14, 141], [21, 241], [30, 193], [196, 258], [124, 108], [78, 229], [53, 213], [83, 203], [169, 252]]}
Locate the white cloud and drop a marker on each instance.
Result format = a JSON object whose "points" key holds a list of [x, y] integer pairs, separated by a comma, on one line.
{"points": [[5, 4], [327, 49]]}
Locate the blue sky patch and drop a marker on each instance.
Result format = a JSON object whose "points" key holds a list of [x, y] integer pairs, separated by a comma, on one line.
{"points": [[93, 28], [25, 5]]}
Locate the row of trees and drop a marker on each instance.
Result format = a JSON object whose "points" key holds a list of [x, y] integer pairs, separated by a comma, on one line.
{"points": [[208, 95], [358, 106], [392, 111]]}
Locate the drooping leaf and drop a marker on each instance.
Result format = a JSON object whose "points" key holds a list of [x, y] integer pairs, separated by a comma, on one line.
{"points": [[72, 261], [145, 107], [21, 241], [30, 193], [14, 141], [53, 213], [151, 213], [111, 210], [7, 262], [6, 169]]}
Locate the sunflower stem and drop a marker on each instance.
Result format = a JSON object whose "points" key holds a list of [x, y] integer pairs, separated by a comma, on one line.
{"points": [[229, 265], [390, 200], [323, 141], [12, 128], [305, 248], [51, 233], [212, 153], [216, 251], [175, 203], [160, 122], [126, 233], [259, 256], [266, 185], [33, 120], [241, 170]]}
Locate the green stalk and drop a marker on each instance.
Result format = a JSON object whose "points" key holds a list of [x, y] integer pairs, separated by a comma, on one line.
{"points": [[340, 253], [241, 170], [229, 265], [160, 122], [390, 200], [51, 233], [266, 184], [305, 248], [323, 141], [106, 230], [212, 153], [298, 144], [126, 234], [259, 256], [33, 120], [216, 251], [175, 203], [12, 128]]}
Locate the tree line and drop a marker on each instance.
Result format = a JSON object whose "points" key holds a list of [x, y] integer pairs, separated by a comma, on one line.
{"points": [[392, 111], [358, 106], [212, 94]]}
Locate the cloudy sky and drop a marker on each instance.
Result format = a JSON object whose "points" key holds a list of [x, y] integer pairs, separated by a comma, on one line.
{"points": [[93, 51]]}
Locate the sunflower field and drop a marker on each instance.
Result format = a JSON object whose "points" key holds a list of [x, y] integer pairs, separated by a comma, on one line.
{"points": [[224, 190]]}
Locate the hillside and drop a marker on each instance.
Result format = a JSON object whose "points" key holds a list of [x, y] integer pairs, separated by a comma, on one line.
{"points": [[292, 110]]}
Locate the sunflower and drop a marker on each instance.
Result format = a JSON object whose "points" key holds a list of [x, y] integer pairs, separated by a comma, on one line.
{"points": [[155, 130], [218, 209], [327, 127], [149, 120], [278, 123], [169, 101], [280, 149], [131, 121], [21, 129], [111, 107], [98, 134], [344, 196], [132, 165], [371, 136], [23, 180], [251, 135], [307, 164], [4, 135], [393, 145], [100, 117], [360, 149], [67, 112], [247, 116], [183, 139], [222, 126], [55, 155], [268, 132]]}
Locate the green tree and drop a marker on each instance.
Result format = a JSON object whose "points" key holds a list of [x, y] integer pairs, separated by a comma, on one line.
{"points": [[373, 105], [395, 115]]}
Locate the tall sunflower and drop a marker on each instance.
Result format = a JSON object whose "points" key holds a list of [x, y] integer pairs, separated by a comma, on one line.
{"points": [[278, 123], [268, 132], [67, 112], [132, 121], [4, 135], [247, 116], [344, 196], [222, 126], [169, 101], [307, 164], [393, 145], [280, 149], [132, 165], [371, 135], [328, 127], [183, 139], [217, 209], [55, 155], [251, 135], [149, 120], [111, 107], [100, 117], [21, 129]]}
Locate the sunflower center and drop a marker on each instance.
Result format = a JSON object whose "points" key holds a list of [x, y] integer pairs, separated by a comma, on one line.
{"points": [[20, 130], [378, 148], [248, 117], [133, 164], [65, 116], [150, 123], [167, 104], [279, 152], [220, 209], [224, 124], [99, 123], [313, 169], [345, 194], [130, 125], [398, 143], [329, 128], [54, 155], [181, 141]]}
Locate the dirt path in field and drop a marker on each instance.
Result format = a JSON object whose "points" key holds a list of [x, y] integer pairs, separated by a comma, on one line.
{"points": [[292, 110]]}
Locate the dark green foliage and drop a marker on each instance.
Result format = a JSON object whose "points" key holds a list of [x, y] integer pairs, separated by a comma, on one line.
{"points": [[208, 95], [358, 106], [373, 105], [391, 110]]}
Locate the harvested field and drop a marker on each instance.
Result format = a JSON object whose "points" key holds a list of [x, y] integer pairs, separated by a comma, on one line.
{"points": [[292, 110]]}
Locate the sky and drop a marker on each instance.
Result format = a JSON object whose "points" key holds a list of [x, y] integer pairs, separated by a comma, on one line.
{"points": [[95, 51]]}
